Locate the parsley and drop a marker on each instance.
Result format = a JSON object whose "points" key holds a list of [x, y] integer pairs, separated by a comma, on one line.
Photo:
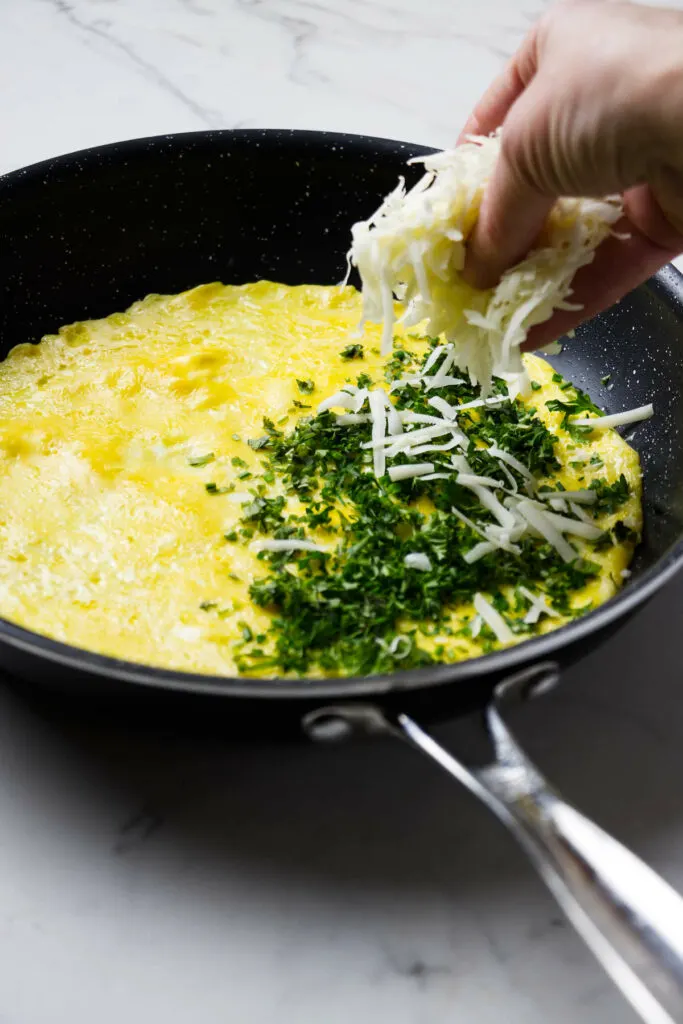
{"points": [[609, 496], [535, 386], [364, 380], [258, 442], [265, 513], [213, 488], [239, 463], [400, 360], [573, 406], [300, 405], [306, 387], [518, 430], [354, 351], [624, 533], [270, 427], [246, 631], [358, 609], [606, 379], [619, 534], [201, 460]]}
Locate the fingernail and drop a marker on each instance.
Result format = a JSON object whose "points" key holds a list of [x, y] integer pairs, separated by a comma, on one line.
{"points": [[477, 271], [470, 128]]}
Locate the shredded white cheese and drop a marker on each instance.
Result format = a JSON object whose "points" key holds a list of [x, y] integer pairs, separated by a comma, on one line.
{"points": [[475, 626], [352, 418], [349, 398], [493, 619], [617, 419], [488, 500], [287, 545], [484, 547], [579, 512], [413, 249], [583, 497], [539, 606], [400, 641], [378, 413], [510, 460], [445, 408], [540, 521], [573, 526], [414, 469], [416, 560], [468, 522]]}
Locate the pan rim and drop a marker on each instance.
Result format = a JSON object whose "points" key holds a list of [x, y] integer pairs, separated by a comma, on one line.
{"points": [[493, 665], [131, 147], [669, 281]]}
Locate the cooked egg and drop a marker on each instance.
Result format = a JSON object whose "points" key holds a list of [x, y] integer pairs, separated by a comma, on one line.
{"points": [[124, 463]]}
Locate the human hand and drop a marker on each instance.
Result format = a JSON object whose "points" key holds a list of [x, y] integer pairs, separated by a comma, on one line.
{"points": [[591, 104]]}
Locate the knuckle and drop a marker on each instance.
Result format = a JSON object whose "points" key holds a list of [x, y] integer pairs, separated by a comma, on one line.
{"points": [[519, 146]]}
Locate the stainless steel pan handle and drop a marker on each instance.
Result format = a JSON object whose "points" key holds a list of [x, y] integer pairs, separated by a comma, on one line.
{"points": [[629, 917]]}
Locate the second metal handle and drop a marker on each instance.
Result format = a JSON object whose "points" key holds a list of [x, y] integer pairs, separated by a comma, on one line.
{"points": [[630, 918]]}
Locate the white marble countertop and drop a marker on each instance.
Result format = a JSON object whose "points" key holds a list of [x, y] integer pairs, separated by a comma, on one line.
{"points": [[158, 878]]}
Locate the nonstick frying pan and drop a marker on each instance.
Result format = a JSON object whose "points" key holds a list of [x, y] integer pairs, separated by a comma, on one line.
{"points": [[85, 235]]}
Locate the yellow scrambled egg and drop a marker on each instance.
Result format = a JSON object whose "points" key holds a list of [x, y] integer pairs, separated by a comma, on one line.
{"points": [[109, 539]]}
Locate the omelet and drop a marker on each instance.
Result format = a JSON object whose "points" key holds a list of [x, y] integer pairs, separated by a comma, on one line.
{"points": [[137, 478]]}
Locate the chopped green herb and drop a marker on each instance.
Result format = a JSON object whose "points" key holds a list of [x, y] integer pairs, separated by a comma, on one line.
{"points": [[606, 379], [609, 496], [399, 362], [201, 460], [270, 427], [580, 403], [208, 606], [265, 513], [535, 386], [354, 351], [350, 611], [306, 387], [213, 488], [239, 463]]}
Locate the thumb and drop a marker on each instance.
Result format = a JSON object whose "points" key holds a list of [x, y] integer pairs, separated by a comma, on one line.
{"points": [[513, 208], [511, 217]]}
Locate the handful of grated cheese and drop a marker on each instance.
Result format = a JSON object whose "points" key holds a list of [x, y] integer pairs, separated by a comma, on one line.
{"points": [[413, 249]]}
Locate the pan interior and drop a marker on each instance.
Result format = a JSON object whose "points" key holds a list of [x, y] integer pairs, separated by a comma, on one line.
{"points": [[86, 235]]}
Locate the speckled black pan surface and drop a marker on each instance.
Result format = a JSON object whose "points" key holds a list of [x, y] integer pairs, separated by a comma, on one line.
{"points": [[87, 234]]}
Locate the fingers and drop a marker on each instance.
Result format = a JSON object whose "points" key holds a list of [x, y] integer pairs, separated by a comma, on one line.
{"points": [[511, 217], [491, 109], [620, 265]]}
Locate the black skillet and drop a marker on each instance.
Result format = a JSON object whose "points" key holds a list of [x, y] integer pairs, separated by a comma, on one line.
{"points": [[87, 234]]}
